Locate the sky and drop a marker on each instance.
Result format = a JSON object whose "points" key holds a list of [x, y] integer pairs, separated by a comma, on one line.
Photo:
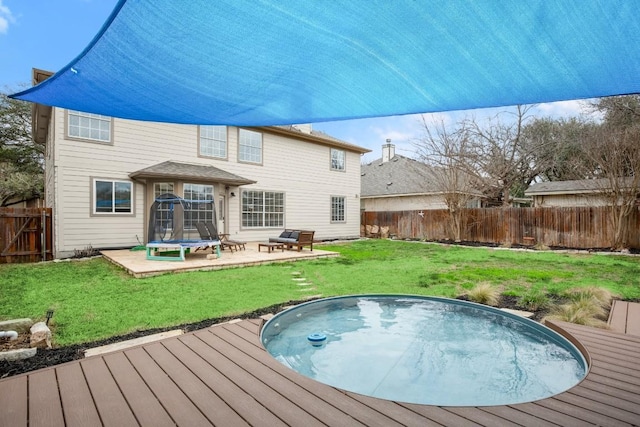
{"points": [[48, 34]]}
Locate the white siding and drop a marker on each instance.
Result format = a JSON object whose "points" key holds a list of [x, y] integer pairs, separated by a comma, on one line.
{"points": [[569, 200], [403, 203], [299, 169]]}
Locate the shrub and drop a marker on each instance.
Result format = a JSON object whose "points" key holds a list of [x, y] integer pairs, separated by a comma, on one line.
{"points": [[484, 293], [534, 300], [87, 252], [600, 297], [582, 311]]}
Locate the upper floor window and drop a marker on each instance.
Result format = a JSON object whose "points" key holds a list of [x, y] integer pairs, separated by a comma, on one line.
{"points": [[93, 127], [112, 197], [337, 159], [337, 208], [213, 141], [249, 146]]}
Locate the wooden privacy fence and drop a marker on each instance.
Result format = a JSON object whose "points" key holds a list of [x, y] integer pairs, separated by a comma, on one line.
{"points": [[574, 227], [25, 235]]}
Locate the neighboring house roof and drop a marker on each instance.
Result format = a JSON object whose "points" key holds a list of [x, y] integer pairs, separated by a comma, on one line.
{"points": [[179, 170], [398, 176], [581, 186]]}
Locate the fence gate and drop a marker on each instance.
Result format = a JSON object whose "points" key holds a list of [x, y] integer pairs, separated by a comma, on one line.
{"points": [[25, 235]]}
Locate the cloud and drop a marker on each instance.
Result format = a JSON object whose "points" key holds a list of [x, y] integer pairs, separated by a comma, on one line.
{"points": [[563, 108], [6, 17]]}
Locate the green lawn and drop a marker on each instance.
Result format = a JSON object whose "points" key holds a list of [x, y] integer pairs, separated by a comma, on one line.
{"points": [[94, 299]]}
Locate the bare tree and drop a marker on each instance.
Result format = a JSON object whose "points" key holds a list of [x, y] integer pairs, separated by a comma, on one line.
{"points": [[445, 152], [614, 149], [493, 154]]}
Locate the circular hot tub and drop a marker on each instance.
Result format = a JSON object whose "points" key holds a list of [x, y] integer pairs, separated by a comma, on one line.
{"points": [[424, 350]]}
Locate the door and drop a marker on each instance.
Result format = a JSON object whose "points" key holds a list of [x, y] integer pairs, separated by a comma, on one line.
{"points": [[222, 214]]}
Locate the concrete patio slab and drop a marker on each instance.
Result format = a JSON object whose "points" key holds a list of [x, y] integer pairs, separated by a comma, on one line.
{"points": [[136, 264]]}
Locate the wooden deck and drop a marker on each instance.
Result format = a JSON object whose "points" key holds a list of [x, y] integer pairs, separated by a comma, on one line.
{"points": [[222, 376], [624, 317]]}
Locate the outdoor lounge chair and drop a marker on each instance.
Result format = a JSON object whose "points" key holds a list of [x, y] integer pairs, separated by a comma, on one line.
{"points": [[205, 234], [224, 239]]}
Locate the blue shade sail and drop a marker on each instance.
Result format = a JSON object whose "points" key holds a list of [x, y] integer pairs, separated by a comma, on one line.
{"points": [[269, 62]]}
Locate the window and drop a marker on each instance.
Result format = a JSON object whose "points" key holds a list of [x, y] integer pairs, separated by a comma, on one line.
{"points": [[164, 214], [213, 141], [262, 209], [89, 126], [199, 206], [249, 146], [337, 208], [112, 197], [337, 159]]}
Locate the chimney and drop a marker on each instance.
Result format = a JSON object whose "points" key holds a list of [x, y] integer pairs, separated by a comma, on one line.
{"points": [[388, 151]]}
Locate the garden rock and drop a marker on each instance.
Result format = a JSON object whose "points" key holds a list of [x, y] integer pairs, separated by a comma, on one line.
{"points": [[21, 326], [40, 335]]}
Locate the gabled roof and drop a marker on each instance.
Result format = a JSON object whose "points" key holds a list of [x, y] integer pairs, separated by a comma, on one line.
{"points": [[315, 136], [399, 176], [581, 186], [179, 170]]}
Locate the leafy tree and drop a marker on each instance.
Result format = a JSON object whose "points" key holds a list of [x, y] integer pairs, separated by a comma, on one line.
{"points": [[557, 150], [21, 158]]}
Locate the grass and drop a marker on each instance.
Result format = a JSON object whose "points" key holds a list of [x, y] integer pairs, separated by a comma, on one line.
{"points": [[94, 299], [534, 299]]}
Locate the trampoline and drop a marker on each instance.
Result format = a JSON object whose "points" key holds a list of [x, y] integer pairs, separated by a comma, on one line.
{"points": [[171, 225]]}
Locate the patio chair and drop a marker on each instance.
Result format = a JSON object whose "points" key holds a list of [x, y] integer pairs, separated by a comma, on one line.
{"points": [[224, 239]]}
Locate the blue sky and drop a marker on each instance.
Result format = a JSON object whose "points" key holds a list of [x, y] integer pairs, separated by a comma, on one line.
{"points": [[48, 34]]}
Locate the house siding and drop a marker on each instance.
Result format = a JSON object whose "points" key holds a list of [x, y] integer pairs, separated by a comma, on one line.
{"points": [[569, 200], [403, 203], [298, 168]]}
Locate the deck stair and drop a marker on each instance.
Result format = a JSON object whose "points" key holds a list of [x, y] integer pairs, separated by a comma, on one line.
{"points": [[624, 317]]}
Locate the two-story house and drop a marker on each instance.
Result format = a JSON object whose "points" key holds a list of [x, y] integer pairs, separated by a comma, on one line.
{"points": [[104, 173]]}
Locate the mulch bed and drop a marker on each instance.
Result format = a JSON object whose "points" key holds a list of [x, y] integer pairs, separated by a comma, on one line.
{"points": [[49, 357]]}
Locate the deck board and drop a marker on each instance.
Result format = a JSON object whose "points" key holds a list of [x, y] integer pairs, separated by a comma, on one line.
{"points": [[624, 317], [289, 390], [633, 319], [329, 395], [241, 401], [267, 396], [222, 376], [77, 402], [182, 410], [204, 398], [143, 403], [13, 402], [518, 416], [45, 408]]}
